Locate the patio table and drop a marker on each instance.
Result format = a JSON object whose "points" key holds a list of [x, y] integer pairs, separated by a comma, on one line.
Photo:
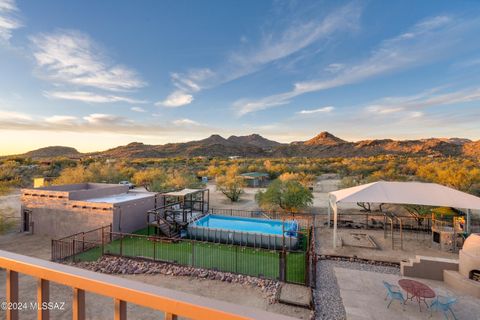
{"points": [[417, 290]]}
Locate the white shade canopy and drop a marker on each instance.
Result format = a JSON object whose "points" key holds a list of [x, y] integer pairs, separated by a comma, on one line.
{"points": [[183, 192], [420, 193]]}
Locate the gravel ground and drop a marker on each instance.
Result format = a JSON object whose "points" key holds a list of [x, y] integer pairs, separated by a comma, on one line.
{"points": [[328, 302]]}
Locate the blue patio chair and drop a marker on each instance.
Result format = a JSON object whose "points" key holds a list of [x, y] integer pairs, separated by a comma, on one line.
{"points": [[394, 293], [443, 304]]}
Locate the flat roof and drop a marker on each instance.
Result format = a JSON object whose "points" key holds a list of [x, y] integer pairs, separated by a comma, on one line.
{"points": [[122, 197]]}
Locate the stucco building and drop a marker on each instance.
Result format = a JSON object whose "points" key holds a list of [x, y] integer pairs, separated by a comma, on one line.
{"points": [[63, 210]]}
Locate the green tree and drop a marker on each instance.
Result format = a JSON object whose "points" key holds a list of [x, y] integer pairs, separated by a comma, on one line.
{"points": [[151, 178], [287, 196], [160, 180], [76, 174], [231, 184]]}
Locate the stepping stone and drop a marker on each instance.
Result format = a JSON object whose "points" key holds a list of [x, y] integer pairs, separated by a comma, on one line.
{"points": [[294, 294]]}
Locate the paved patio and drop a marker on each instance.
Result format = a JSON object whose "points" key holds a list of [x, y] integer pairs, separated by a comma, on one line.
{"points": [[363, 297]]}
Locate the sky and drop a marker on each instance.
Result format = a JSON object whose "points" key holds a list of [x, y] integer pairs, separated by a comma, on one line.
{"points": [[98, 74]]}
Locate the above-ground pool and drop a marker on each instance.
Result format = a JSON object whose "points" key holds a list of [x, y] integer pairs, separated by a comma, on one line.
{"points": [[265, 233]]}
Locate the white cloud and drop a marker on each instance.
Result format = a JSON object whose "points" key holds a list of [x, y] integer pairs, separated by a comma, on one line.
{"points": [[192, 81], [428, 98], [334, 67], [296, 37], [427, 41], [72, 57], [100, 123], [383, 110], [416, 114], [61, 120], [101, 118], [90, 97], [176, 99], [273, 47], [14, 116], [326, 109], [185, 122], [8, 19], [138, 109]]}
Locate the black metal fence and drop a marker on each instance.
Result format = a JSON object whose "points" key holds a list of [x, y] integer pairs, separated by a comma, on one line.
{"points": [[71, 246], [293, 266], [288, 266]]}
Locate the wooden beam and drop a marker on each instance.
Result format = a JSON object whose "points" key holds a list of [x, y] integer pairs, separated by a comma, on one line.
{"points": [[12, 294], [170, 316], [78, 309], [120, 310], [43, 297], [150, 296]]}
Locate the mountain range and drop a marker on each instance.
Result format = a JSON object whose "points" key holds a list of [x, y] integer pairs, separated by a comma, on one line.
{"points": [[323, 145]]}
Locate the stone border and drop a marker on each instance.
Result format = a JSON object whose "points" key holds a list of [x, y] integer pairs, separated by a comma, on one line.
{"points": [[359, 260], [121, 265]]}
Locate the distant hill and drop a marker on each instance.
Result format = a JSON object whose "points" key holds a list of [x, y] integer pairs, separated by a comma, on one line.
{"points": [[324, 138], [213, 146], [255, 140], [52, 152], [323, 145]]}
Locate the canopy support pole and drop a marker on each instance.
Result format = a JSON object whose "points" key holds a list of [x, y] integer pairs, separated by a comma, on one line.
{"points": [[329, 212], [467, 223], [335, 220]]}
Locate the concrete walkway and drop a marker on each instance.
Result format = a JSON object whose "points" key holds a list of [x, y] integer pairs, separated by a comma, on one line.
{"points": [[363, 297]]}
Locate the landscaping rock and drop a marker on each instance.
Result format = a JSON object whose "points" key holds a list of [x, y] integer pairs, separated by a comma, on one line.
{"points": [[120, 265]]}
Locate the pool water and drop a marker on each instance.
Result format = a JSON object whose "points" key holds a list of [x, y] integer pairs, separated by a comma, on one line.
{"points": [[266, 226]]}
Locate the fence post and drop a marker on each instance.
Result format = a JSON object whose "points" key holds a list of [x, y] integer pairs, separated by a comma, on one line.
{"points": [[282, 265], [193, 252], [83, 241], [111, 235], [53, 250], [154, 250], [121, 245], [103, 241], [307, 267], [73, 249]]}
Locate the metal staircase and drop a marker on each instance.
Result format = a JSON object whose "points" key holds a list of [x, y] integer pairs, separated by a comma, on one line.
{"points": [[167, 228]]}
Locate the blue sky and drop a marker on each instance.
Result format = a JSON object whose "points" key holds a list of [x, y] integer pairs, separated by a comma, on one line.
{"points": [[97, 74]]}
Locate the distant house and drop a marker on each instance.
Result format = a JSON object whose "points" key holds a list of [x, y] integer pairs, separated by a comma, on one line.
{"points": [[256, 179]]}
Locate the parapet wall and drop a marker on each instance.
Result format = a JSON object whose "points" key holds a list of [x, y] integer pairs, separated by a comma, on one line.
{"points": [[97, 192], [427, 267]]}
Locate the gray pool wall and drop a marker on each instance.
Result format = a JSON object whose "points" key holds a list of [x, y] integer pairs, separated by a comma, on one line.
{"points": [[251, 239]]}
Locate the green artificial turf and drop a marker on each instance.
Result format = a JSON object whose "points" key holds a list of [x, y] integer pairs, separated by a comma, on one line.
{"points": [[207, 255]]}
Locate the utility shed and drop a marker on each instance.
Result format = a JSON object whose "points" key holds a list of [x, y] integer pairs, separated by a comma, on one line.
{"points": [[59, 211], [255, 179]]}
